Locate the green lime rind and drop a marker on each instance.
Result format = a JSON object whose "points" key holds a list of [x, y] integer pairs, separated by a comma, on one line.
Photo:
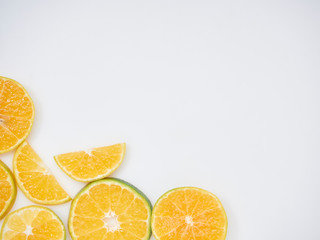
{"points": [[34, 206], [14, 195], [182, 188], [122, 183]]}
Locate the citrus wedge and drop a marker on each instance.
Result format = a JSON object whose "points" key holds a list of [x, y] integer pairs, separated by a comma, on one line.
{"points": [[8, 190], [93, 164], [33, 223], [35, 179], [16, 114], [189, 214], [110, 209]]}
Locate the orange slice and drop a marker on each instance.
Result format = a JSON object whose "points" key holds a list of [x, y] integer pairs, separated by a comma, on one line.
{"points": [[93, 164], [110, 209], [8, 190], [33, 223], [189, 214], [35, 179], [16, 114]]}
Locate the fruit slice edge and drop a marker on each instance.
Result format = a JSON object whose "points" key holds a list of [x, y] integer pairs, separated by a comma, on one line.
{"points": [[9, 203]]}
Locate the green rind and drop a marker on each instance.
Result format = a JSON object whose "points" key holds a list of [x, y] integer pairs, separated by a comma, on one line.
{"points": [[13, 198], [181, 188], [32, 120], [122, 183], [92, 179], [34, 206]]}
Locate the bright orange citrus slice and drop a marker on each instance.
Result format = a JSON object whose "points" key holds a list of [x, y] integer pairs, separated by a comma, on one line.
{"points": [[110, 209], [8, 190], [93, 164], [16, 114], [33, 223], [35, 179], [189, 214]]}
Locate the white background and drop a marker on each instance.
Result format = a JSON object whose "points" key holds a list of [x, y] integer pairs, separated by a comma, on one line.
{"points": [[222, 95]]}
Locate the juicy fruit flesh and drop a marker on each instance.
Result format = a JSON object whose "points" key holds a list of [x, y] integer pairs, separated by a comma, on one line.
{"points": [[7, 190], [189, 213], [92, 164], [16, 114], [109, 211], [32, 223], [35, 179]]}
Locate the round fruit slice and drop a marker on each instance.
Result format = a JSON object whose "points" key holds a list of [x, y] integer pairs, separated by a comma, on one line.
{"points": [[35, 179], [33, 223], [93, 164], [8, 189], [16, 114], [110, 209], [189, 213]]}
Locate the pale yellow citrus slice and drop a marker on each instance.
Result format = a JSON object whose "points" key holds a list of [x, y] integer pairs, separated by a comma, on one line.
{"points": [[16, 114], [189, 214], [93, 164], [33, 223], [8, 190], [110, 209], [35, 179]]}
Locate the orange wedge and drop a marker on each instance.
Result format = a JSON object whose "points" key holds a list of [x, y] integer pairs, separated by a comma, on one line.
{"points": [[8, 189], [33, 223], [93, 164], [110, 209], [189, 214], [35, 179], [16, 114]]}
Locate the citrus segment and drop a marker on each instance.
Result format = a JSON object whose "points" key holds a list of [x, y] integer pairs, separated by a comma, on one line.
{"points": [[33, 223], [110, 209], [16, 114], [189, 213], [35, 179], [93, 164], [8, 189]]}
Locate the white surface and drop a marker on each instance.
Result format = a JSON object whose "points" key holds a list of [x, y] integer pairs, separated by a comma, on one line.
{"points": [[219, 95]]}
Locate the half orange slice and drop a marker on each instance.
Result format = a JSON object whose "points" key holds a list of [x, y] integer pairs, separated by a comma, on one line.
{"points": [[16, 114]]}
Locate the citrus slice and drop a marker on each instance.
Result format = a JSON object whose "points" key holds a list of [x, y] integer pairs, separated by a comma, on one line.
{"points": [[93, 164], [110, 209], [16, 114], [33, 223], [35, 179], [8, 189], [189, 214]]}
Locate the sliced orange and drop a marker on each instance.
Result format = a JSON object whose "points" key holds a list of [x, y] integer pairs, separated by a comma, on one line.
{"points": [[93, 164], [33, 223], [16, 114], [189, 214], [35, 179], [8, 190], [110, 209]]}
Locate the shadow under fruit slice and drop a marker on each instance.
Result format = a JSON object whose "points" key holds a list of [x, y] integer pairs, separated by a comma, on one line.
{"points": [[189, 214], [35, 179], [110, 209], [33, 223], [16, 114], [93, 164], [8, 190]]}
